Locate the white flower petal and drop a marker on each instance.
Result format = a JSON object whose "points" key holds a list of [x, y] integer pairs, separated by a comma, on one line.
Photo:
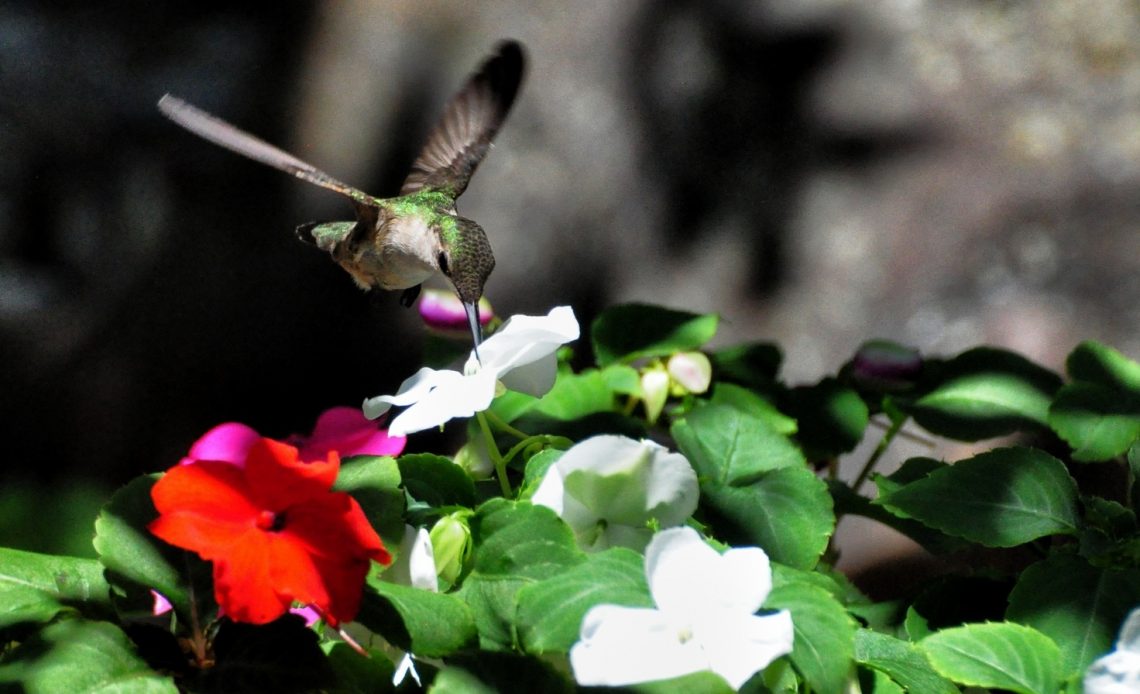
{"points": [[412, 389], [415, 562], [525, 339], [535, 378], [625, 645], [1129, 639], [687, 576], [550, 491], [454, 395], [738, 646], [403, 669]]}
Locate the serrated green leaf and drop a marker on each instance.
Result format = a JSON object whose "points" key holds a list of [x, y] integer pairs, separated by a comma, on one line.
{"points": [[693, 683], [985, 392], [550, 612], [622, 379], [751, 403], [428, 624], [1096, 363], [730, 447], [903, 661], [878, 682], [787, 512], [436, 481], [1001, 498], [998, 655], [847, 502], [1078, 605], [824, 647], [633, 331], [37, 587], [80, 657], [516, 544], [831, 417], [755, 487], [1099, 422]]}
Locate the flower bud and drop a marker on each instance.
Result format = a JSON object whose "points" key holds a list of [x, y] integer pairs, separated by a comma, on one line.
{"points": [[475, 460], [887, 366], [451, 544], [691, 371], [654, 391]]}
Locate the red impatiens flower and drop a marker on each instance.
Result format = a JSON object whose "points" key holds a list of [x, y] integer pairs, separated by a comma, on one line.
{"points": [[274, 530]]}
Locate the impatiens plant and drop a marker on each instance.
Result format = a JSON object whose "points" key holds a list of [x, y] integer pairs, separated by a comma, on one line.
{"points": [[634, 509]]}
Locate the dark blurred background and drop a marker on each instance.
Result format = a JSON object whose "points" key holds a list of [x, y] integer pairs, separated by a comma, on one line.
{"points": [[821, 172]]}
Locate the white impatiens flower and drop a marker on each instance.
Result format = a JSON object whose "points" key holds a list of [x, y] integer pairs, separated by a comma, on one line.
{"points": [[414, 566], [521, 354], [1119, 671], [704, 619], [609, 488]]}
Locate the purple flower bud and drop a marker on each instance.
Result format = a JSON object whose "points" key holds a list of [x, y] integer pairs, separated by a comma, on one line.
{"points": [[441, 310], [885, 365]]}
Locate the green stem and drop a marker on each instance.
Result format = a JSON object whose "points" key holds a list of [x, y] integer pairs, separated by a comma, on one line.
{"points": [[496, 456], [889, 436], [504, 427]]}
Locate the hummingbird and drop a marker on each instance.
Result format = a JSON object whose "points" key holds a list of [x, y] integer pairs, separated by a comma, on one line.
{"points": [[397, 243]]}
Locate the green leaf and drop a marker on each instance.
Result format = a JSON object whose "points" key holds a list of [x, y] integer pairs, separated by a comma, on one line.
{"points": [[374, 481], [550, 612], [983, 393], [847, 502], [576, 395], [1001, 498], [516, 544], [1098, 421], [137, 561], [824, 648], [998, 656], [1103, 365], [730, 447], [633, 331], [80, 657], [754, 364], [751, 403], [832, 418], [755, 487], [436, 481], [428, 624], [37, 587], [1078, 605], [902, 661], [703, 682]]}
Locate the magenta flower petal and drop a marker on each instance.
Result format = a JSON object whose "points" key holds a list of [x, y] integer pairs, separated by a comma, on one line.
{"points": [[228, 443], [347, 431], [307, 613], [161, 604]]}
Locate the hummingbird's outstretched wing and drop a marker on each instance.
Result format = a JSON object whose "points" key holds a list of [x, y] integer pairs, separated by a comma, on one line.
{"points": [[222, 133], [463, 135]]}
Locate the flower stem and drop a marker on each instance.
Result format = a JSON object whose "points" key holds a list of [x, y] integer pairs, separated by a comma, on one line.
{"points": [[496, 456], [880, 449], [504, 427]]}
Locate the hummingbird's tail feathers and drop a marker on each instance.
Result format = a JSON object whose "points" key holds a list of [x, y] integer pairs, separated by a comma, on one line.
{"points": [[221, 133], [472, 118]]}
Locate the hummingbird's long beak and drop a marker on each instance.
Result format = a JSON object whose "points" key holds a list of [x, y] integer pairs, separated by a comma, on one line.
{"points": [[472, 310]]}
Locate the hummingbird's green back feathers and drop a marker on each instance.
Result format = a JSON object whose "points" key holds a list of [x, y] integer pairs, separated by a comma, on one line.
{"points": [[469, 123]]}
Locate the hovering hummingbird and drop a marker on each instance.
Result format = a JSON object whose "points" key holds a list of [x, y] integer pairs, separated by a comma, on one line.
{"points": [[397, 243]]}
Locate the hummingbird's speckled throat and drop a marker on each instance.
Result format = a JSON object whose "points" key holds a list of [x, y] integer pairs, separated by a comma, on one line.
{"points": [[397, 243]]}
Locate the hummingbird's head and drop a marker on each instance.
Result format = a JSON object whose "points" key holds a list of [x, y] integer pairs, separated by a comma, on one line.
{"points": [[465, 258]]}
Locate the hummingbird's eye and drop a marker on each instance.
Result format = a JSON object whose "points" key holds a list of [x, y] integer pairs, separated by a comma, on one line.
{"points": [[443, 263]]}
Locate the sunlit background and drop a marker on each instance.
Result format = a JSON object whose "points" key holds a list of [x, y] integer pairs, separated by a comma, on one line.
{"points": [[818, 171]]}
